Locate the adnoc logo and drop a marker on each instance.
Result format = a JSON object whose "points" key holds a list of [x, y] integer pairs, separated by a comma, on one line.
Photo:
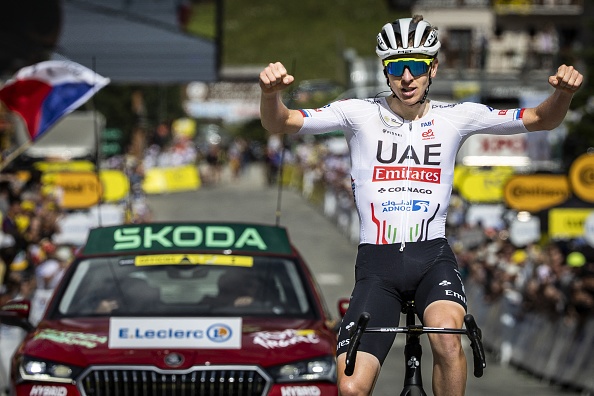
{"points": [[219, 332]]}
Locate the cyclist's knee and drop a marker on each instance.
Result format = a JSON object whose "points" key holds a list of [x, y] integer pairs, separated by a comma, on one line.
{"points": [[363, 379], [444, 314], [348, 386], [446, 347]]}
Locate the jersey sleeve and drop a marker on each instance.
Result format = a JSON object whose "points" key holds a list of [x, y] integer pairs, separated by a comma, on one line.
{"points": [[477, 118], [326, 119]]}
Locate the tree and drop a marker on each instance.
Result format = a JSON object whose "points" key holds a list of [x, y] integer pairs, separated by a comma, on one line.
{"points": [[162, 103]]}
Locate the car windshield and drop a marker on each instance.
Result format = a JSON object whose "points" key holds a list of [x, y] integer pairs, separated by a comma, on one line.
{"points": [[144, 286]]}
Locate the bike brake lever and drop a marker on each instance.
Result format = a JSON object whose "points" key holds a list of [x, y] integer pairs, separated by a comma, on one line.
{"points": [[478, 353], [354, 343]]}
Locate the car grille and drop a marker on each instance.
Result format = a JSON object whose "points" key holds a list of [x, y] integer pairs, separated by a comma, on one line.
{"points": [[199, 381]]}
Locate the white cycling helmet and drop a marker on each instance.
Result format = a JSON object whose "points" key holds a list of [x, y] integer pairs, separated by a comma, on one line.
{"points": [[395, 38]]}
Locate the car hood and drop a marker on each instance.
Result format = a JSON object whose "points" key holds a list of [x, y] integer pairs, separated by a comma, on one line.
{"points": [[265, 342]]}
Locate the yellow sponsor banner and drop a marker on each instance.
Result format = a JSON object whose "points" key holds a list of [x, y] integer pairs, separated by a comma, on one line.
{"points": [[567, 223], [534, 193], [116, 185], [165, 180], [513, 6], [581, 175], [195, 259], [460, 172], [79, 190], [65, 166], [482, 186], [463, 89]]}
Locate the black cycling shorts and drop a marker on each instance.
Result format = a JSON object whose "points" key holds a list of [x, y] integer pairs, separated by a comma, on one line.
{"points": [[385, 278]]}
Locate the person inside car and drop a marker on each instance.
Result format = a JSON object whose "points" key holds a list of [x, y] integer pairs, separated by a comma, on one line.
{"points": [[236, 288], [136, 296]]}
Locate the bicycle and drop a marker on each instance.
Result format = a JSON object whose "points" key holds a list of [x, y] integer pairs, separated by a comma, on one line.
{"points": [[413, 382]]}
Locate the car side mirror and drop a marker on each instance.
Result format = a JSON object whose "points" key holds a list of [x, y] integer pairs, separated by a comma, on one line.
{"points": [[16, 313], [343, 305]]}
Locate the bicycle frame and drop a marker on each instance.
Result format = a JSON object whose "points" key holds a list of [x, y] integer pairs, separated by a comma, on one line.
{"points": [[413, 382]]}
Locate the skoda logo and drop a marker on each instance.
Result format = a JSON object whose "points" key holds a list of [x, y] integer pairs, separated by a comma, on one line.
{"points": [[174, 359]]}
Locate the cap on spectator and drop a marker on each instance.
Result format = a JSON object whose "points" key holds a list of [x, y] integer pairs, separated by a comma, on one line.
{"points": [[575, 259], [519, 256], [28, 205], [19, 263]]}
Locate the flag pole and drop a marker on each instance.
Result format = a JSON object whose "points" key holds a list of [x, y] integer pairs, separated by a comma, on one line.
{"points": [[12, 156]]}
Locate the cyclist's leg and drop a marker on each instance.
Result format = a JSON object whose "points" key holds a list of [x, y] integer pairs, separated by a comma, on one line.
{"points": [[441, 302], [449, 361], [368, 296], [374, 294]]}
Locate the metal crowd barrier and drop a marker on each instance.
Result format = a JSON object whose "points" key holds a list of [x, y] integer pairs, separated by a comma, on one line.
{"points": [[553, 349]]}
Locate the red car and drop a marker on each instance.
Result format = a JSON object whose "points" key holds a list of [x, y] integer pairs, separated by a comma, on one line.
{"points": [[180, 309]]}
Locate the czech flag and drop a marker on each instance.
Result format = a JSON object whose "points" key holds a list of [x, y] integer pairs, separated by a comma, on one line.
{"points": [[47, 91]]}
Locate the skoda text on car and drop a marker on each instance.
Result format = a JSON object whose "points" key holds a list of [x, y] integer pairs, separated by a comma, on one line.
{"points": [[180, 309]]}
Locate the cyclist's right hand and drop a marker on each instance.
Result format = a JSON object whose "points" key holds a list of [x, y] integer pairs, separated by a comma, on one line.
{"points": [[275, 78]]}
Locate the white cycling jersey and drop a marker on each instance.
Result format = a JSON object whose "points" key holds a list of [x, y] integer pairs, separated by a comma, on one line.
{"points": [[402, 171]]}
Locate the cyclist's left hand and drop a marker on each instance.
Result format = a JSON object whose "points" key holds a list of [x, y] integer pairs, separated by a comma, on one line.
{"points": [[567, 79]]}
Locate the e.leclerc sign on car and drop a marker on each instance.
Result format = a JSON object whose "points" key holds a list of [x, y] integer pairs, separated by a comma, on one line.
{"points": [[176, 236], [203, 333]]}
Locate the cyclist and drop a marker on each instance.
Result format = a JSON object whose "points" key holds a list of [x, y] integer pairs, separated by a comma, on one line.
{"points": [[403, 150]]}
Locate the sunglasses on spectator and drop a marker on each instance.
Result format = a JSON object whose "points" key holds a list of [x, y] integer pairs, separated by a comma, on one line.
{"points": [[416, 66]]}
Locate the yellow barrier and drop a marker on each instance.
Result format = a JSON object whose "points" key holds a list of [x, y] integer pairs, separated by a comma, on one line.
{"points": [[174, 179]]}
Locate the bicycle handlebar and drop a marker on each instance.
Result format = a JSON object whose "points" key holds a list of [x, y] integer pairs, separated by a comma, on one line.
{"points": [[472, 331]]}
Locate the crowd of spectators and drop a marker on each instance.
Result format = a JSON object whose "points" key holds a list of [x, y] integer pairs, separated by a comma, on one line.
{"points": [[30, 260], [555, 279], [31, 263]]}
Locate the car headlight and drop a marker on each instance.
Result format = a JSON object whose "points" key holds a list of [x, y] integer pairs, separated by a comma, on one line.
{"points": [[318, 369], [32, 369]]}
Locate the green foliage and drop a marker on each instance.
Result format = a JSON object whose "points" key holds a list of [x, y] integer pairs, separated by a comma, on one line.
{"points": [[203, 19], [162, 103], [251, 131], [308, 33]]}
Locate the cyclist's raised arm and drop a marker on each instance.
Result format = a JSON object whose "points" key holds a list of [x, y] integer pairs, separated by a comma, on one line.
{"points": [[274, 115], [551, 112]]}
